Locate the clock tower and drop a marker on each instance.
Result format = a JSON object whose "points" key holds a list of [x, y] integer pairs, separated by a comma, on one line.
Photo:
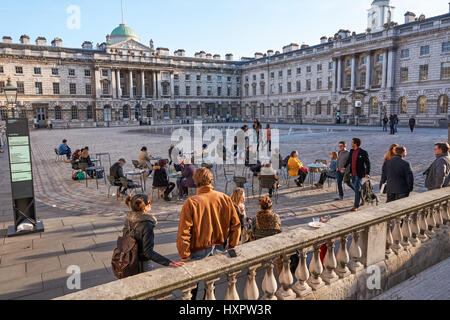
{"points": [[380, 13]]}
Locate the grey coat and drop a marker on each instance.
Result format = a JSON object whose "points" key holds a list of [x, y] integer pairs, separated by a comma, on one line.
{"points": [[438, 174]]}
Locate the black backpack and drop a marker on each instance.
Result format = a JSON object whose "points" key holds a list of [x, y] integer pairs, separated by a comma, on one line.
{"points": [[285, 161], [367, 194], [125, 258]]}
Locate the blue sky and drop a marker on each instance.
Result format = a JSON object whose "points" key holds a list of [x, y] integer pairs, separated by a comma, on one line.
{"points": [[241, 27]]}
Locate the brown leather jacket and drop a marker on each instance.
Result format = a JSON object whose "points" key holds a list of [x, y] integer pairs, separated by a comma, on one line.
{"points": [[207, 219]]}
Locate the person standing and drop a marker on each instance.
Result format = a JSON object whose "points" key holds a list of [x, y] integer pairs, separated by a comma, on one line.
{"points": [[438, 174], [269, 137], [412, 124], [396, 121], [341, 164], [257, 127], [359, 163], [391, 123], [208, 222], [385, 123], [398, 176]]}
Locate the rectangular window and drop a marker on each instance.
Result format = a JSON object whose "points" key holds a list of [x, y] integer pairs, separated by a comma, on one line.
{"points": [[280, 88], [272, 75], [219, 78], [254, 77], [404, 74], [423, 72], [199, 77], [56, 88], [238, 80], [405, 53], [238, 92], [188, 90], [299, 70], [38, 86], [2, 85], [299, 86], [176, 77], [308, 85], [445, 71], [209, 91], [199, 91], [424, 50], [229, 91], [262, 88], [187, 77], [289, 87], [445, 47], [72, 72], [105, 72], [319, 67], [208, 78], [319, 84], [330, 82], [379, 57], [262, 76], [176, 91], [37, 70], [55, 71], [330, 65], [88, 89], [289, 72], [1, 69], [105, 88], [308, 69], [254, 89], [229, 79], [20, 87], [19, 70], [280, 74], [73, 88], [219, 91]]}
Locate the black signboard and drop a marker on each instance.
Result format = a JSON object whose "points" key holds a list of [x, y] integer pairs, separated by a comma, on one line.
{"points": [[21, 173]]}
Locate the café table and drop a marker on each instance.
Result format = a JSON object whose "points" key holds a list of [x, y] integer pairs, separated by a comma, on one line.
{"points": [[139, 173], [318, 167]]}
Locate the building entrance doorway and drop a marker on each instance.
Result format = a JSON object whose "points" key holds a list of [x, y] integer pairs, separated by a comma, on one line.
{"points": [[41, 116]]}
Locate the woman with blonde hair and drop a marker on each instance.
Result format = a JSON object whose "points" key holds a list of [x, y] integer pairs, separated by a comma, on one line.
{"points": [[331, 172], [238, 198], [390, 153]]}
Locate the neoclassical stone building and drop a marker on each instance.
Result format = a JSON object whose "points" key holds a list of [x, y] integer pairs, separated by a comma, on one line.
{"points": [[390, 68]]}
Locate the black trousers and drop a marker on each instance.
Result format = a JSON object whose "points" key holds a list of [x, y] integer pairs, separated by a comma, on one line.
{"points": [[396, 196], [301, 176], [169, 189]]}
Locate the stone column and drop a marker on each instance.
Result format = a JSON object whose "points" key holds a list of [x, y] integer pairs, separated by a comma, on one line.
{"points": [[142, 84], [119, 88], [335, 76], [130, 83], [172, 89], [383, 83], [339, 74], [391, 70], [98, 89], [113, 83], [154, 84], [352, 81], [368, 70]]}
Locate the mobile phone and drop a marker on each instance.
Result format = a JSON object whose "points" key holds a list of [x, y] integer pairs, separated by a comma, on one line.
{"points": [[232, 253]]}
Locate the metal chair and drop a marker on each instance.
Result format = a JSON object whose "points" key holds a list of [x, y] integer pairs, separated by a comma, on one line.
{"points": [[269, 182], [135, 164], [59, 157], [83, 167], [112, 184]]}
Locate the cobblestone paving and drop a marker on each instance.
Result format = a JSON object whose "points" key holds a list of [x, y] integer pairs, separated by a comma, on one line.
{"points": [[82, 224]]}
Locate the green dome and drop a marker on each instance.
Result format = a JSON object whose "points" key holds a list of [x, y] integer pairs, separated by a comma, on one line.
{"points": [[123, 31]]}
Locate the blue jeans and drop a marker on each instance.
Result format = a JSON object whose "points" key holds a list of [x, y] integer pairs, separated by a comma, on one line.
{"points": [[67, 153], [356, 181], [339, 179]]}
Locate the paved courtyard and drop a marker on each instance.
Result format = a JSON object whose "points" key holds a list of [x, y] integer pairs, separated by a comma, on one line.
{"points": [[82, 224]]}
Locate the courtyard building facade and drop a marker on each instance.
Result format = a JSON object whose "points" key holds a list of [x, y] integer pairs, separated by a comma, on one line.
{"points": [[358, 78]]}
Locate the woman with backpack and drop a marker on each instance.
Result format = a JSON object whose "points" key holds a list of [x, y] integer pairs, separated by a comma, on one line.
{"points": [[139, 225]]}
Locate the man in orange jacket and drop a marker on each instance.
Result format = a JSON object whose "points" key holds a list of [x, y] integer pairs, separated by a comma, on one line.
{"points": [[208, 222]]}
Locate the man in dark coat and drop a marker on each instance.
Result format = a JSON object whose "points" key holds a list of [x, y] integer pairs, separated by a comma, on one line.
{"points": [[412, 124], [398, 176], [359, 163]]}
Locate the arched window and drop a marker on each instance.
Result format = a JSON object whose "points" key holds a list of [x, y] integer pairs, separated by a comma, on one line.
{"points": [[298, 109], [90, 112], [443, 104], [403, 103], [308, 108], [149, 111], [126, 112], [318, 108], [262, 109], [177, 111], [166, 111], [422, 104], [374, 105], [74, 112], [58, 115], [328, 108], [344, 106], [137, 112], [107, 113]]}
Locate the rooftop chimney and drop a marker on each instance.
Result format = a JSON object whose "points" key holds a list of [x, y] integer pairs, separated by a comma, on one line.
{"points": [[57, 42], [162, 51], [7, 39], [41, 41], [208, 56], [290, 47], [323, 39], [229, 57], [87, 45], [216, 57], [304, 46], [258, 55], [179, 53], [269, 53], [24, 39], [409, 17]]}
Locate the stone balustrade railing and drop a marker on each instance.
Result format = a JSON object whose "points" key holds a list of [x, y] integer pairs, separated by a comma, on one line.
{"points": [[363, 238]]}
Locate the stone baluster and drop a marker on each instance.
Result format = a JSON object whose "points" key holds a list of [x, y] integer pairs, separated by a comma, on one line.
{"points": [[231, 288], [415, 230], [251, 291], [389, 240], [446, 213], [423, 225], [301, 287], [286, 280], [343, 259], [209, 288], [397, 236], [406, 232], [330, 264], [438, 216], [316, 269], [269, 284], [355, 253], [186, 293], [431, 222]]}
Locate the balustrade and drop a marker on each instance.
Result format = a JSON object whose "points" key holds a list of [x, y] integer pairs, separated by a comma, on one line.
{"points": [[355, 253]]}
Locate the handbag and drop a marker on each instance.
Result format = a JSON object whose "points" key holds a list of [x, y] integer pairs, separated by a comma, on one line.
{"points": [[81, 176]]}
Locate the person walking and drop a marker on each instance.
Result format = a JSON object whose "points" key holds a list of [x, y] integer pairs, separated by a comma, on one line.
{"points": [[396, 121], [139, 224], [438, 174], [269, 137], [257, 127], [397, 175], [341, 164], [359, 163], [385, 123], [391, 123], [412, 124], [208, 222]]}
